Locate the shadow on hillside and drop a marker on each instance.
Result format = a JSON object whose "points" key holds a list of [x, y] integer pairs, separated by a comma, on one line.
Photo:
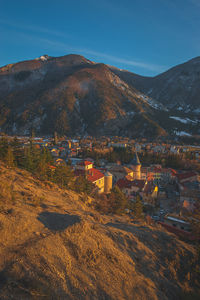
{"points": [[56, 221]]}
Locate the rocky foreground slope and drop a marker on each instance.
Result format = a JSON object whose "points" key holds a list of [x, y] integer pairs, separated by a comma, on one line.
{"points": [[53, 246]]}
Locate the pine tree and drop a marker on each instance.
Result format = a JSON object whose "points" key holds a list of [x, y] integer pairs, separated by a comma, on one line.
{"points": [[63, 176], [119, 200], [3, 148], [9, 159], [42, 169], [138, 207], [82, 185], [18, 152], [28, 159]]}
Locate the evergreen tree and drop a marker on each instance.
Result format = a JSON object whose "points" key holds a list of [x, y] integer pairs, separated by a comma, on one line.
{"points": [[42, 169], [63, 176], [17, 152], [137, 207], [119, 200], [82, 185], [32, 135], [28, 159], [9, 158], [3, 148]]}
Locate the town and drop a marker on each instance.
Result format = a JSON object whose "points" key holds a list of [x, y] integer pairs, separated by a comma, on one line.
{"points": [[164, 178]]}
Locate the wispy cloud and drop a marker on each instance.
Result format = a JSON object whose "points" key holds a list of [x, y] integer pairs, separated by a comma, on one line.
{"points": [[100, 55], [36, 29]]}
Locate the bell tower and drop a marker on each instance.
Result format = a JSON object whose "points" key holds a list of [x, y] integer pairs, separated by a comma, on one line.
{"points": [[135, 165]]}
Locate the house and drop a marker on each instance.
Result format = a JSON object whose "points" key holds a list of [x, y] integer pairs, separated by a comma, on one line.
{"points": [[177, 222], [95, 176], [150, 193], [118, 145], [119, 172], [146, 189]]}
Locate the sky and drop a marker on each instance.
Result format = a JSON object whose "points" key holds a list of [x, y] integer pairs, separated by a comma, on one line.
{"points": [[146, 37]]}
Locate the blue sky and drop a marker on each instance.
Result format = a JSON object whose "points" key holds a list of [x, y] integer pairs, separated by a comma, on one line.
{"points": [[143, 36]]}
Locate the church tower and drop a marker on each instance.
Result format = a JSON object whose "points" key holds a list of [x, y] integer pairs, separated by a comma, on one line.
{"points": [[135, 165]]}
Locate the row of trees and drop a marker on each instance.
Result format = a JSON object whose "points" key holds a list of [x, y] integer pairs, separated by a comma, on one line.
{"points": [[40, 163], [124, 155]]}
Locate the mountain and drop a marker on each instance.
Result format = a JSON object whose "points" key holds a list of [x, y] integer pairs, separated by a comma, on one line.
{"points": [[75, 96], [53, 246], [178, 87]]}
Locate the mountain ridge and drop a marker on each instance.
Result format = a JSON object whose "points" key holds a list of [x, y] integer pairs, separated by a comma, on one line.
{"points": [[75, 96]]}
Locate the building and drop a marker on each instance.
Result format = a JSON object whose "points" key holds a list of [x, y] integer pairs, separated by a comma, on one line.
{"points": [[108, 182], [85, 168], [177, 222], [119, 172], [135, 165]]}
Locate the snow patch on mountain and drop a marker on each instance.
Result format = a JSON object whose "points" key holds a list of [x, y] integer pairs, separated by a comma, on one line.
{"points": [[43, 57], [152, 102], [182, 133], [183, 120]]}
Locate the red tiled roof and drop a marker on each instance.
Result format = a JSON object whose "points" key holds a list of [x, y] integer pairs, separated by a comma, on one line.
{"points": [[92, 174], [174, 172], [123, 183], [52, 167], [85, 163]]}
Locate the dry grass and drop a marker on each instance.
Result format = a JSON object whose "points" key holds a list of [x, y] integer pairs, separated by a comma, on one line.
{"points": [[53, 246]]}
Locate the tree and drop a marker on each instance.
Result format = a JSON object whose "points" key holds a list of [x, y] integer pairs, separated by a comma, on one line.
{"points": [[103, 203], [137, 207], [63, 176], [42, 169], [119, 200], [82, 185], [9, 159], [3, 148], [28, 159], [17, 152]]}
